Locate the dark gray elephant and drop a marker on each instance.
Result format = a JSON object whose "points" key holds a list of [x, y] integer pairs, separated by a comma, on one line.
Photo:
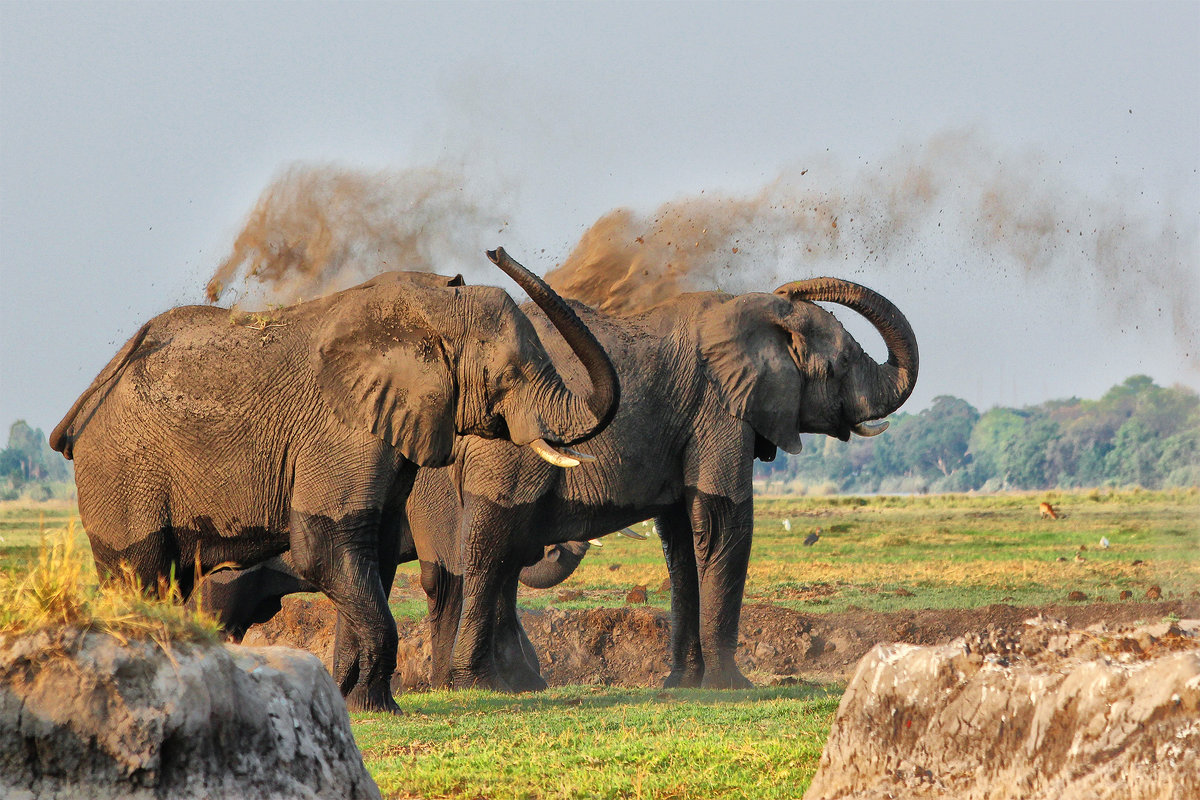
{"points": [[710, 381], [214, 437], [436, 517]]}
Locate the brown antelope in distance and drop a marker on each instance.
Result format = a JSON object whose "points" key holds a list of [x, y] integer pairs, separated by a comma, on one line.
{"points": [[1048, 511]]}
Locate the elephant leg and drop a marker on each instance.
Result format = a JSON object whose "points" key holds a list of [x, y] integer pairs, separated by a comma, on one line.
{"points": [[347, 654], [723, 530], [341, 559], [687, 661], [346, 650], [515, 656], [152, 553], [487, 564], [443, 592], [232, 596]]}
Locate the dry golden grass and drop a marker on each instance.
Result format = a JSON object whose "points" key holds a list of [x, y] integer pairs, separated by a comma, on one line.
{"points": [[60, 590]]}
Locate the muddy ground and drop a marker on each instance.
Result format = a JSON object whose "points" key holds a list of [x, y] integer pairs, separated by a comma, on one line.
{"points": [[628, 646]]}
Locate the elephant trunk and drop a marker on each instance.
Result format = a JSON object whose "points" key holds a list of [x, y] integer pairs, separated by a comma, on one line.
{"points": [[888, 385], [598, 407], [557, 564]]}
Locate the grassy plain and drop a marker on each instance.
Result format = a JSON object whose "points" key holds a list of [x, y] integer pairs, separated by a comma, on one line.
{"points": [[879, 553], [942, 551], [600, 742]]}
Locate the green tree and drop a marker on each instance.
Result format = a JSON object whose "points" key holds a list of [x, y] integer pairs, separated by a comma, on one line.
{"points": [[29, 459]]}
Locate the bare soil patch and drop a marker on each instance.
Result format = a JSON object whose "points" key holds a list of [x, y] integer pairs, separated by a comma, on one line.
{"points": [[629, 646]]}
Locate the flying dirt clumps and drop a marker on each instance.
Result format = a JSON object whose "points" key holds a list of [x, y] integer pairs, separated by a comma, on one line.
{"points": [[320, 228], [1036, 712], [85, 715], [996, 211]]}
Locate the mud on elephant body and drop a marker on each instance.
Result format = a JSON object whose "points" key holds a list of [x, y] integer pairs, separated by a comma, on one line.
{"points": [[216, 437]]}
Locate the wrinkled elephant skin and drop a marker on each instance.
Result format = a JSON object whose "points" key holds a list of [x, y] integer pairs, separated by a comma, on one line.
{"points": [[293, 437]]}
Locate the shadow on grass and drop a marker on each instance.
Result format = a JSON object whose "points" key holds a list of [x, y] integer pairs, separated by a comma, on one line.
{"points": [[435, 703]]}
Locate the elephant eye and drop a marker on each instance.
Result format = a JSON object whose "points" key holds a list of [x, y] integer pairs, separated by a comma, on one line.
{"points": [[509, 376]]}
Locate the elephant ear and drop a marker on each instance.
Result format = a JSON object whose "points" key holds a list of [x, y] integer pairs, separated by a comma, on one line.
{"points": [[750, 358], [383, 369]]}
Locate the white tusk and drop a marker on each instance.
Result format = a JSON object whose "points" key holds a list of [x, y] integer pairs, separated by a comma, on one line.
{"points": [[630, 533], [595, 543], [561, 456], [870, 428]]}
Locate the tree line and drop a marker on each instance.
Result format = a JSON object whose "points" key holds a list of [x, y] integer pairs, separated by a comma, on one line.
{"points": [[29, 468], [1138, 433]]}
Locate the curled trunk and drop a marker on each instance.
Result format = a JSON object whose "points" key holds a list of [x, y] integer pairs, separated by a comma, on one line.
{"points": [[557, 564], [885, 387]]}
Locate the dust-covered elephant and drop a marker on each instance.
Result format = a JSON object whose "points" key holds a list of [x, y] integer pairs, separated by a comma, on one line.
{"points": [[219, 437], [709, 382]]}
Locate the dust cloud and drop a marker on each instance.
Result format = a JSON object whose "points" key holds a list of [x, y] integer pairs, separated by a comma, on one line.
{"points": [[992, 210], [316, 229], [319, 228]]}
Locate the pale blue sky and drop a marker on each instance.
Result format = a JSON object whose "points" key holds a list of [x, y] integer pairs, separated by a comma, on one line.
{"points": [[134, 138]]}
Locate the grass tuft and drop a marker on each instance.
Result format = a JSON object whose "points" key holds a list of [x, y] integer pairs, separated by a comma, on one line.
{"points": [[60, 590]]}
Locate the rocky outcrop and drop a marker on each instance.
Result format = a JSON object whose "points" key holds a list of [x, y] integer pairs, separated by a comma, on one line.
{"points": [[1036, 712], [83, 715]]}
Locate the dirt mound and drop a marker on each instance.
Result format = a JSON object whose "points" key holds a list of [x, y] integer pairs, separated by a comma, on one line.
{"points": [[629, 646], [1035, 711], [609, 646]]}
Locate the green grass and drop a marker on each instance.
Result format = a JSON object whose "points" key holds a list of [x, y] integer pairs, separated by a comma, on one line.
{"points": [[23, 527], [880, 553], [584, 742], [947, 551]]}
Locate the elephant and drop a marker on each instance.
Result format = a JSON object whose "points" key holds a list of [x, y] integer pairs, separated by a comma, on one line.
{"points": [[294, 436], [710, 382]]}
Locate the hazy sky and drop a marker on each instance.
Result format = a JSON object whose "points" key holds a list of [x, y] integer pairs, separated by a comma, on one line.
{"points": [[135, 138]]}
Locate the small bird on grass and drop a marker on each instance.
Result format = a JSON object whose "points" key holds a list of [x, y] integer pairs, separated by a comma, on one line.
{"points": [[1104, 542], [787, 525], [812, 538]]}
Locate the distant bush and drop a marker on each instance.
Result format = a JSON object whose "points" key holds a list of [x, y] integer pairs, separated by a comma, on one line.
{"points": [[30, 470], [1137, 434]]}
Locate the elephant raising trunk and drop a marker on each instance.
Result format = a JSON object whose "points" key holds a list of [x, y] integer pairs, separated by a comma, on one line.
{"points": [[883, 389], [598, 408]]}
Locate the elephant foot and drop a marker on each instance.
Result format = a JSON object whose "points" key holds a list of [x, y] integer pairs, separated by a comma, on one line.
{"points": [[490, 681], [526, 681], [372, 699], [684, 679], [731, 678], [519, 674]]}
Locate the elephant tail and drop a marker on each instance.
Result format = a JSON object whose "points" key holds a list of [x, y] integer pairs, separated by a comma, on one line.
{"points": [[62, 438]]}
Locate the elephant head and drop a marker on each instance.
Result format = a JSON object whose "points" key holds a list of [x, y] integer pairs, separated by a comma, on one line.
{"points": [[419, 362], [787, 366]]}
